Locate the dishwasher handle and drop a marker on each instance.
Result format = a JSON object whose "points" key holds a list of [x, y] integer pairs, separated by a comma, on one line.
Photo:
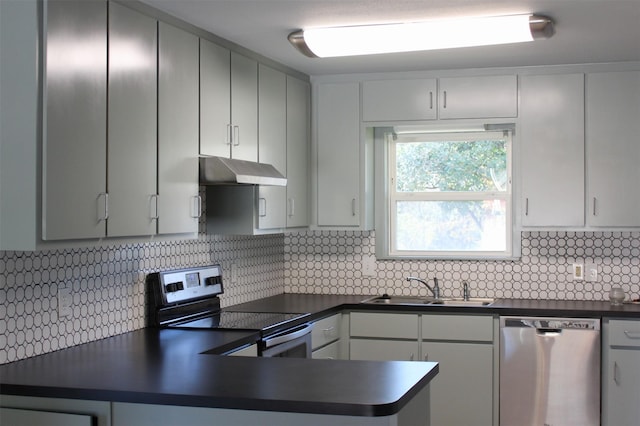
{"points": [[549, 323], [550, 332]]}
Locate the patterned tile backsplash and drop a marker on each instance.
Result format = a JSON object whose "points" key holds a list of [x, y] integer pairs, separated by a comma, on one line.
{"points": [[331, 262], [107, 283], [107, 286]]}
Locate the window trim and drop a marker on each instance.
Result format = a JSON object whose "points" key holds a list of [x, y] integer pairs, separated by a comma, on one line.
{"points": [[383, 202]]}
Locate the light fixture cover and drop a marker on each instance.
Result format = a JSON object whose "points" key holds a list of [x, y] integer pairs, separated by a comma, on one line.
{"points": [[416, 36]]}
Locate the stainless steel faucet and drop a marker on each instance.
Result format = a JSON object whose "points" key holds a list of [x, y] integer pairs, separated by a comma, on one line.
{"points": [[435, 289], [465, 290]]}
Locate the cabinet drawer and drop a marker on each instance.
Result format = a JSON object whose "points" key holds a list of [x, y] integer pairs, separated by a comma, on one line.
{"points": [[457, 327], [624, 333], [331, 351], [383, 325], [325, 331]]}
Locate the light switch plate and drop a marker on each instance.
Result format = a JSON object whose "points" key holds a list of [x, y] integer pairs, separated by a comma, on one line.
{"points": [[65, 300], [368, 265]]}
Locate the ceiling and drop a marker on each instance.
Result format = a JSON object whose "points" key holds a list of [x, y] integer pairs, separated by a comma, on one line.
{"points": [[587, 31]]}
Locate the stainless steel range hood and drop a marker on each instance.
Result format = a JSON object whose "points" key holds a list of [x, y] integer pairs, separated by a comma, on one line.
{"points": [[225, 171]]}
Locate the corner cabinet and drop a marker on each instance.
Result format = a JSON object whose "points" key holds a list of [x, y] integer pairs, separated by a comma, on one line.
{"points": [[179, 204], [552, 150], [613, 151], [621, 372], [339, 158]]}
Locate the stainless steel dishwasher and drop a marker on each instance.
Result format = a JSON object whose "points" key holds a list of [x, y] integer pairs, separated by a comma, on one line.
{"points": [[549, 371]]}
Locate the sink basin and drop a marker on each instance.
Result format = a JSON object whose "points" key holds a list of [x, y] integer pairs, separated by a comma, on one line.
{"points": [[400, 300], [416, 300], [473, 301]]}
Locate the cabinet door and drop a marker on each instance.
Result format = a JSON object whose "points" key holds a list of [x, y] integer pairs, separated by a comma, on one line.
{"points": [[383, 350], [338, 145], [552, 150], [272, 133], [178, 201], [388, 100], [462, 392], [613, 151], [75, 126], [215, 100], [132, 125], [478, 97], [298, 123], [244, 107], [622, 387]]}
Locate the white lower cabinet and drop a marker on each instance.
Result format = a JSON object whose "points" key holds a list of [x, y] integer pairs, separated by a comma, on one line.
{"points": [[464, 391], [326, 338], [30, 411], [621, 373]]}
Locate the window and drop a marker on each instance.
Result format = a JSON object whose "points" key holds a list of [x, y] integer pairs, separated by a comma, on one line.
{"points": [[447, 194]]}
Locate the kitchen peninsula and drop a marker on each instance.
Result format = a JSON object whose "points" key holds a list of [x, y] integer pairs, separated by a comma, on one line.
{"points": [[162, 376]]}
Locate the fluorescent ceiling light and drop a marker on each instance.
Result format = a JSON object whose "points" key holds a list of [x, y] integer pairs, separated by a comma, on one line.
{"points": [[416, 36]]}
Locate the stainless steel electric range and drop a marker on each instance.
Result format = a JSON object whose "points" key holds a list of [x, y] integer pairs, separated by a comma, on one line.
{"points": [[189, 299]]}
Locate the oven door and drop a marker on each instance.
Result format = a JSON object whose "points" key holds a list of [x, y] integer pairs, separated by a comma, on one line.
{"points": [[293, 343]]}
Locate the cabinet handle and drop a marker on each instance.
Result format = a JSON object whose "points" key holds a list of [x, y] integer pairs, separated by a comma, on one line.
{"points": [[411, 357], [594, 207], [328, 331], [197, 206], [430, 100], [526, 206], [292, 207], [236, 135], [632, 334], [104, 196], [616, 375], [444, 101], [262, 208], [229, 136], [426, 357], [153, 206], [353, 207]]}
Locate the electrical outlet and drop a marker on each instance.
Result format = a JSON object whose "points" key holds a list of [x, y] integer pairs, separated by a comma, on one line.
{"points": [[234, 273], [368, 265], [578, 271], [591, 272], [65, 300]]}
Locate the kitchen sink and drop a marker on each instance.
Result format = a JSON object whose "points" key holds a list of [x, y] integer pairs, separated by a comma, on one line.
{"points": [[430, 301], [472, 301]]}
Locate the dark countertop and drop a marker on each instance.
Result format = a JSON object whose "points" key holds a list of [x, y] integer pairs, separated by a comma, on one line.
{"points": [[174, 367], [169, 367], [319, 305]]}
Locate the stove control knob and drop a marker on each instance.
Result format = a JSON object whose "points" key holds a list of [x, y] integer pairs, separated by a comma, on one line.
{"points": [[173, 287], [213, 280]]}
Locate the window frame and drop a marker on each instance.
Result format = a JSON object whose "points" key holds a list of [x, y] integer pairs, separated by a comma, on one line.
{"points": [[385, 200]]}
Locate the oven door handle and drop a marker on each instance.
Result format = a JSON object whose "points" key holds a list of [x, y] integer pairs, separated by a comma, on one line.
{"points": [[296, 333]]}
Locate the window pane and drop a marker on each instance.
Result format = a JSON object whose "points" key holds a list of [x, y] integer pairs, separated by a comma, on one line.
{"points": [[451, 225], [479, 166]]}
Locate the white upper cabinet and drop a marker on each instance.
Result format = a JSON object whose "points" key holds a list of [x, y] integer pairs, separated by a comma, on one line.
{"points": [[215, 99], [132, 123], [228, 103], [244, 107], [338, 154], [179, 204], [272, 148], [551, 136], [478, 97], [75, 125], [613, 149], [399, 100], [298, 125]]}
